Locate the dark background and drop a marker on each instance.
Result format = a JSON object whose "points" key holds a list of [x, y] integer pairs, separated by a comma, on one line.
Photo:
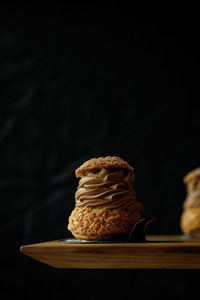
{"points": [[78, 81]]}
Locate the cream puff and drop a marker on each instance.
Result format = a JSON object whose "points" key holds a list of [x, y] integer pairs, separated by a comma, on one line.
{"points": [[105, 204], [190, 218]]}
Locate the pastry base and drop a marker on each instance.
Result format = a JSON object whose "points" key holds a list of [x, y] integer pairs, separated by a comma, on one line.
{"points": [[190, 221], [102, 224]]}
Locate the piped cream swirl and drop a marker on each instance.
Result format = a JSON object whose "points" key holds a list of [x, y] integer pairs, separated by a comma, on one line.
{"points": [[107, 188], [192, 200]]}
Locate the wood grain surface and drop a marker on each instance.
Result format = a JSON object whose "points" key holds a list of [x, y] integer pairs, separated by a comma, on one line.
{"points": [[160, 252]]}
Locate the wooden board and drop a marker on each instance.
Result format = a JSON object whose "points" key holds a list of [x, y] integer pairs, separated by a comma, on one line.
{"points": [[160, 252]]}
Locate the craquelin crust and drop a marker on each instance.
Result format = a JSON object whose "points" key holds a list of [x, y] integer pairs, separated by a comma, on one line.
{"points": [[101, 224], [190, 221], [192, 175], [102, 162]]}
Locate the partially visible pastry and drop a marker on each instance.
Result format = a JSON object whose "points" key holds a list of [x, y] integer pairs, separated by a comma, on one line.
{"points": [[190, 218], [106, 207]]}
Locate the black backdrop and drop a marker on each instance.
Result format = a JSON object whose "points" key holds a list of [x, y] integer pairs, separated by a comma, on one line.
{"points": [[79, 81]]}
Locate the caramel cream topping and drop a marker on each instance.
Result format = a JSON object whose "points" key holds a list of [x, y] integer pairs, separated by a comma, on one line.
{"points": [[107, 188], [193, 193], [192, 200]]}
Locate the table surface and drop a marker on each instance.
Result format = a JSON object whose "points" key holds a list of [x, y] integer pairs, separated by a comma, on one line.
{"points": [[159, 252]]}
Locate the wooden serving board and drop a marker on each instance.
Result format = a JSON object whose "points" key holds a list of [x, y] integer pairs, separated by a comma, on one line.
{"points": [[160, 252]]}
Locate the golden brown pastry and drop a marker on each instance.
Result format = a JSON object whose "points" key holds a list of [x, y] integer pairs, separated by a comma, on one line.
{"points": [[190, 218], [105, 200]]}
